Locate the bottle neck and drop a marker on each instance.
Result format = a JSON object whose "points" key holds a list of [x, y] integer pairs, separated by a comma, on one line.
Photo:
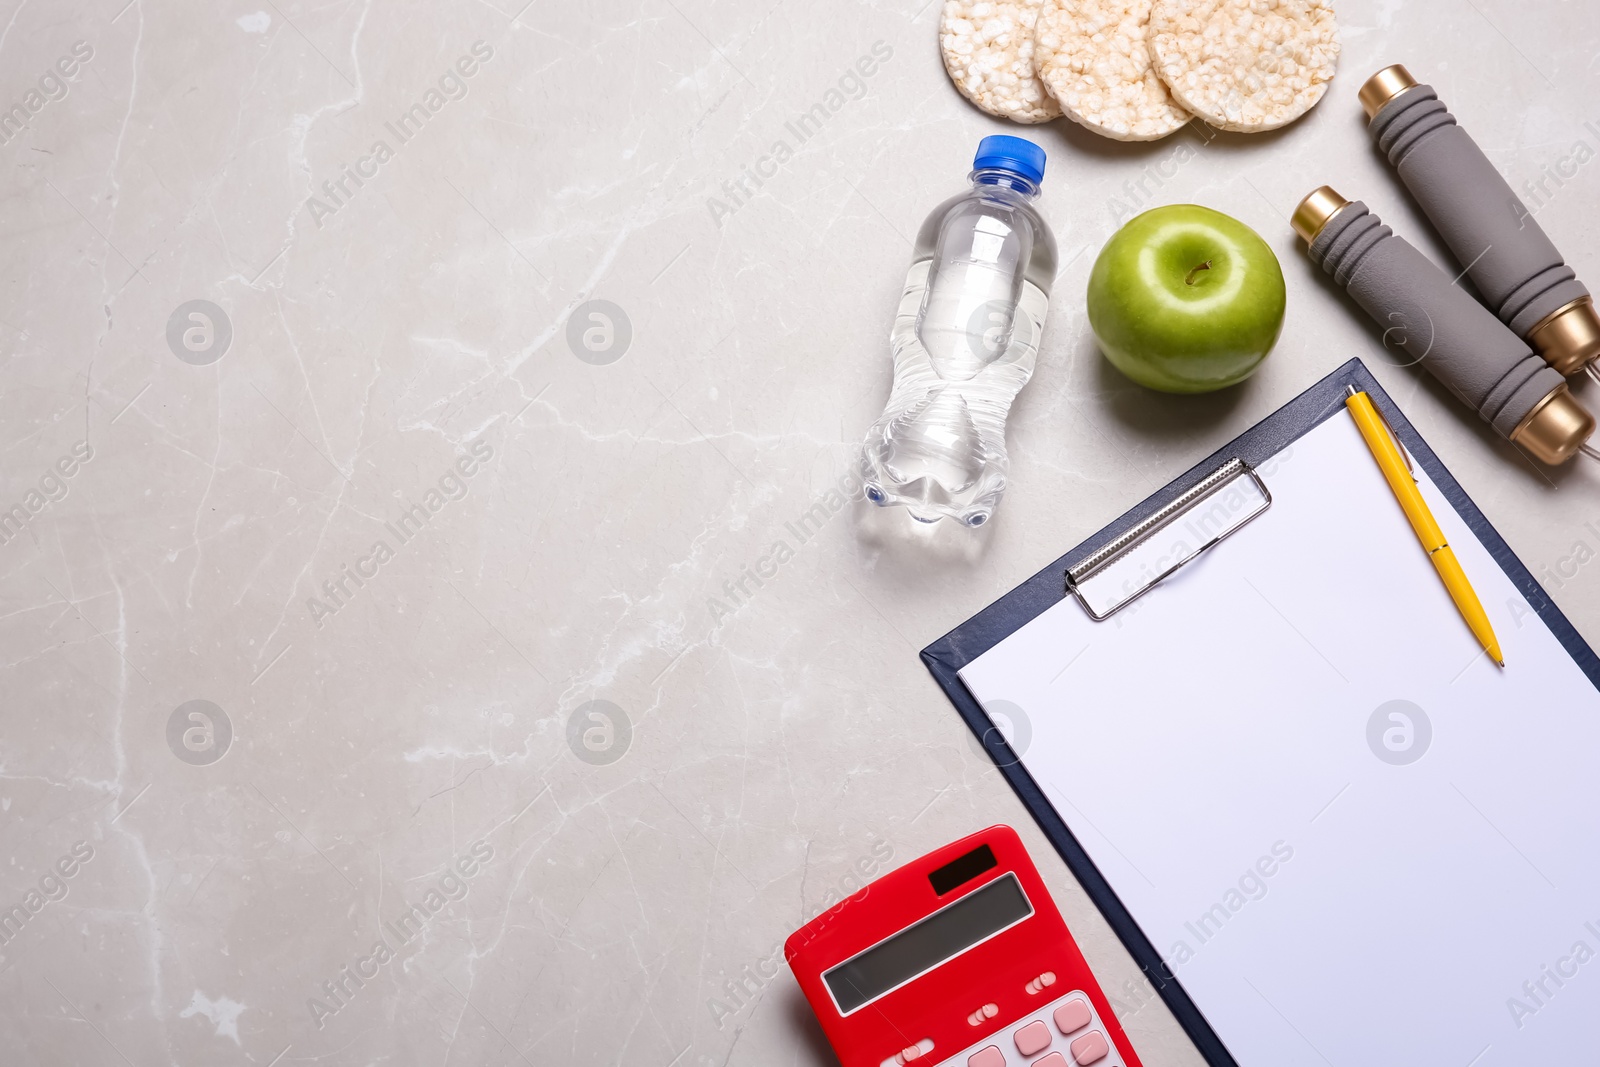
{"points": [[1007, 179]]}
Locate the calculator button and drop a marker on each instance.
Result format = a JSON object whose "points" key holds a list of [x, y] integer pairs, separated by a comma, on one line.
{"points": [[1090, 1048], [1055, 1059], [1035, 1037], [987, 1057], [1072, 1016]]}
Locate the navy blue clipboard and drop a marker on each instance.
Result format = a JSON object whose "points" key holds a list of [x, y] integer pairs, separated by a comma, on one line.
{"points": [[1005, 616]]}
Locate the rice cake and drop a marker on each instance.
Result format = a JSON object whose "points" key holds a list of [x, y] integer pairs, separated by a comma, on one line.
{"points": [[1093, 57], [1245, 65], [988, 52]]}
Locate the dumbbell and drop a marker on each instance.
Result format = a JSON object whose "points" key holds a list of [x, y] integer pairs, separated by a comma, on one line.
{"points": [[1488, 228], [1443, 328]]}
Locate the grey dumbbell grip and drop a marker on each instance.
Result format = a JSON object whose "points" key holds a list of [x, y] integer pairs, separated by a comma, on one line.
{"points": [[1489, 229], [1433, 321]]}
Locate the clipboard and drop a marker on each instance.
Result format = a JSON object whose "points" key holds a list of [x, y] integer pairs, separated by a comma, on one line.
{"points": [[1054, 589]]}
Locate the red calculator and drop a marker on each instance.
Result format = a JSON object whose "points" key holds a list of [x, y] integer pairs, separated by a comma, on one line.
{"points": [[958, 959]]}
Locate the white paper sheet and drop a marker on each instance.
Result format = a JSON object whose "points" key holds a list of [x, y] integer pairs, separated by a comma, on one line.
{"points": [[1440, 911]]}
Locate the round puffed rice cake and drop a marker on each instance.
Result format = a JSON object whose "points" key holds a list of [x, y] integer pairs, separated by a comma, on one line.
{"points": [[1093, 57], [1245, 65], [988, 51]]}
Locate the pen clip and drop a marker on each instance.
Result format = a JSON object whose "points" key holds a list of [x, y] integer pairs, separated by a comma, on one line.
{"points": [[1351, 390]]}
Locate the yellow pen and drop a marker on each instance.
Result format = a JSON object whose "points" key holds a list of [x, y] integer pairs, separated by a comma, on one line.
{"points": [[1394, 466]]}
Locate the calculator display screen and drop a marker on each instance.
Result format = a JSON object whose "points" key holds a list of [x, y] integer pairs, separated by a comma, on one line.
{"points": [[917, 949]]}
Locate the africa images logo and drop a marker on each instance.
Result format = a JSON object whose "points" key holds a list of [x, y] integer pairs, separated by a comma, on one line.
{"points": [[348, 580], [52, 888], [1399, 733], [339, 191], [199, 732], [599, 732], [199, 332], [599, 332], [339, 991], [54, 84], [1008, 724], [52, 488]]}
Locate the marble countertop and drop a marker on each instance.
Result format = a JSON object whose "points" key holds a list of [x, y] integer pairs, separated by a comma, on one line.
{"points": [[394, 675]]}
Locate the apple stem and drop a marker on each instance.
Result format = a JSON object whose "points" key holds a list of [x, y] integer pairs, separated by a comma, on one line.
{"points": [[1189, 279]]}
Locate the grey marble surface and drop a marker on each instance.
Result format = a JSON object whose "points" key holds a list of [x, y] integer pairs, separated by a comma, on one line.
{"points": [[628, 528]]}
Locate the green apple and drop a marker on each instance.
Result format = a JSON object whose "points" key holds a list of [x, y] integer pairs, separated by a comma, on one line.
{"points": [[1186, 300]]}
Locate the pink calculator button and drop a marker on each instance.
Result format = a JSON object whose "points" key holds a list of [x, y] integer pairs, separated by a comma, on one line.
{"points": [[1072, 1017], [1055, 1059], [1035, 1037], [987, 1057], [1090, 1048]]}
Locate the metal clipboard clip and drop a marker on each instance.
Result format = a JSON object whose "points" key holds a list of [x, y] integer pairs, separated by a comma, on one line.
{"points": [[1130, 566]]}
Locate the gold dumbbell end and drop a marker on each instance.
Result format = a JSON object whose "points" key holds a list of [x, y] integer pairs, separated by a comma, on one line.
{"points": [[1315, 212], [1556, 429], [1569, 337], [1383, 87]]}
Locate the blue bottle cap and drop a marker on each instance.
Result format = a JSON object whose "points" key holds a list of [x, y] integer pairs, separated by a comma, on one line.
{"points": [[1015, 154]]}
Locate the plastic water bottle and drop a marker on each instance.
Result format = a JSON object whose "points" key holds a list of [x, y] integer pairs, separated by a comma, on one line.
{"points": [[965, 339]]}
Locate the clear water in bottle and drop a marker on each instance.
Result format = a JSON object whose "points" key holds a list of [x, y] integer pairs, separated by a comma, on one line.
{"points": [[964, 342]]}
